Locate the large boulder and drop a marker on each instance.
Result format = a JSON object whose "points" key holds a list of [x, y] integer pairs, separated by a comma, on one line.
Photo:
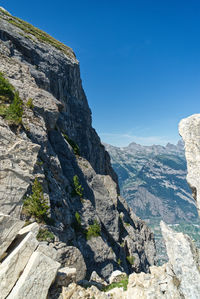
{"points": [[36, 279], [71, 257]]}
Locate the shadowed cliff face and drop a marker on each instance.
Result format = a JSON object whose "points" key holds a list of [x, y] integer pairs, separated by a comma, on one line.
{"points": [[57, 126]]}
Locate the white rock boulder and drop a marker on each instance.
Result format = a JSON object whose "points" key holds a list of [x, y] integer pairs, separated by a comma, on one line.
{"points": [[12, 267], [36, 278]]}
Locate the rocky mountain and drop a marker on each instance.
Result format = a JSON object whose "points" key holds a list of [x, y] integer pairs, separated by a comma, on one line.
{"points": [[153, 181], [51, 159], [54, 170]]}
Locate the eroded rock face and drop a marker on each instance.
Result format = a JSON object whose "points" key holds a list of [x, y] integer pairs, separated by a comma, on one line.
{"points": [[17, 159], [189, 129], [59, 123]]}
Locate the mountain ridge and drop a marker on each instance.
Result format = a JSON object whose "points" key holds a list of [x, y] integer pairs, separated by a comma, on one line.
{"points": [[153, 180]]}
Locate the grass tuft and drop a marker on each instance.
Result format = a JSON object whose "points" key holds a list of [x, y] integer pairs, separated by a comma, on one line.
{"points": [[45, 235], [29, 31], [122, 284]]}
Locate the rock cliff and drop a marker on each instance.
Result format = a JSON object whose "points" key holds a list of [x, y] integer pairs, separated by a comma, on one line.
{"points": [[54, 145], [180, 277]]}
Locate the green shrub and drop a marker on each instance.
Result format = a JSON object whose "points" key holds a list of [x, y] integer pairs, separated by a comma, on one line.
{"points": [[14, 112], [77, 187], [119, 262], [74, 146], [36, 205], [78, 218], [77, 223], [29, 104], [93, 230], [11, 106], [130, 259], [45, 235], [122, 284], [7, 91]]}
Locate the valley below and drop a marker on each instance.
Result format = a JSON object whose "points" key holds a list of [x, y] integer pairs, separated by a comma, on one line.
{"points": [[152, 179]]}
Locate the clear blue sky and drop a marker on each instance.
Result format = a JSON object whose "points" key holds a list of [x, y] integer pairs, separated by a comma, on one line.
{"points": [[140, 61]]}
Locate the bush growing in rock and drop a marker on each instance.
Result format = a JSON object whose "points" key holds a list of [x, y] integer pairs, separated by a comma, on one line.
{"points": [[7, 91], [29, 104], [11, 106], [36, 205], [130, 259], [93, 230], [74, 146], [77, 222], [78, 189], [45, 235]]}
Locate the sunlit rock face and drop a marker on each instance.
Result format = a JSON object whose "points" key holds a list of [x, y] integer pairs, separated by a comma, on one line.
{"points": [[189, 129], [56, 143]]}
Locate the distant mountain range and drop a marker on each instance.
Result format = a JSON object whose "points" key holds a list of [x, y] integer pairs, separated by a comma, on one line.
{"points": [[153, 181]]}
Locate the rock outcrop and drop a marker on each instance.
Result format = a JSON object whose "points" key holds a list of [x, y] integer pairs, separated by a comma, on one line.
{"points": [[17, 159], [189, 129], [25, 272], [92, 228], [56, 144], [177, 279]]}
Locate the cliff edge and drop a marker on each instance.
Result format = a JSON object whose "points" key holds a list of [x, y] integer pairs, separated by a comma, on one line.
{"points": [[48, 147]]}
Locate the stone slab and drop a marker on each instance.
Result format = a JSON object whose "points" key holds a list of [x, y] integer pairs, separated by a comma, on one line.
{"points": [[36, 279], [9, 228], [12, 267]]}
